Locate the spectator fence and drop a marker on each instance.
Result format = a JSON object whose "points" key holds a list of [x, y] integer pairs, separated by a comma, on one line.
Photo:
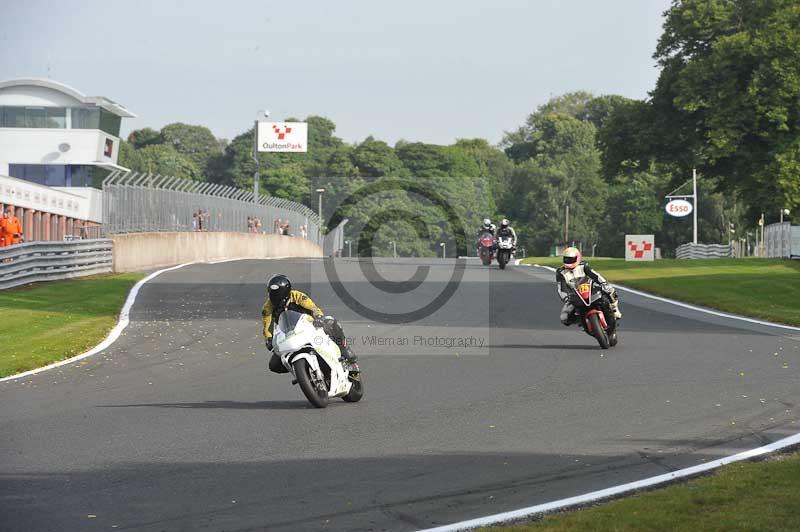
{"points": [[138, 202]]}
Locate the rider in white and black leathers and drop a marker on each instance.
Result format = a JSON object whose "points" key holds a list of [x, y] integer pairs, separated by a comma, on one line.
{"points": [[573, 270], [487, 227], [506, 230]]}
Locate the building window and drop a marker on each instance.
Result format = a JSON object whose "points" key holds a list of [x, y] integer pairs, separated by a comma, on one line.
{"points": [[12, 117], [110, 123], [85, 118], [35, 117], [56, 117]]}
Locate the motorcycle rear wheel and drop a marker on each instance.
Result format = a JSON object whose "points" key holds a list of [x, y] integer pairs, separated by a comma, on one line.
{"points": [[302, 371], [599, 332]]}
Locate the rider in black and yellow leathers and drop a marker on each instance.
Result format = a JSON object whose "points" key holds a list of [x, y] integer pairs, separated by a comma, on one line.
{"points": [[280, 297]]}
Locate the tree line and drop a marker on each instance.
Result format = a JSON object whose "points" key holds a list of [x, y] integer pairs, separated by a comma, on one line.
{"points": [[726, 102]]}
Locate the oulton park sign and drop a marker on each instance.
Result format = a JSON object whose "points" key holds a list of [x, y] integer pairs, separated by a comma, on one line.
{"points": [[283, 137]]}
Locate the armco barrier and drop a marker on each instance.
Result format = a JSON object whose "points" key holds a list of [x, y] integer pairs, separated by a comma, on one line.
{"points": [[147, 251], [48, 261], [703, 251]]}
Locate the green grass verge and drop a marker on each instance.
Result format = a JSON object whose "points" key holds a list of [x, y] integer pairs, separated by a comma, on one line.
{"points": [[44, 323], [742, 497], [761, 288]]}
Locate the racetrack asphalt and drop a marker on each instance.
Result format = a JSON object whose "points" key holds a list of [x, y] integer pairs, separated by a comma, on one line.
{"points": [[180, 426]]}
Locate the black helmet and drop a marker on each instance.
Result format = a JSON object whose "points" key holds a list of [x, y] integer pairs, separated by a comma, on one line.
{"points": [[278, 289], [504, 223]]}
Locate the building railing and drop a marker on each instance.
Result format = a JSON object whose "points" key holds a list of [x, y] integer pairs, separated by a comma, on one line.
{"points": [[49, 261], [138, 202]]}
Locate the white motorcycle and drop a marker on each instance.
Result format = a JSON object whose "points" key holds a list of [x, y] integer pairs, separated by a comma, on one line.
{"points": [[505, 250], [314, 359]]}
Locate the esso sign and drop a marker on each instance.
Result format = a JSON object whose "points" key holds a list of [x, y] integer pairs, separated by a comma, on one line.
{"points": [[679, 208]]}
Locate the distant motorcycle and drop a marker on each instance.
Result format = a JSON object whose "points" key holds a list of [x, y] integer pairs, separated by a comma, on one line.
{"points": [[593, 307], [505, 250], [486, 248], [314, 360]]}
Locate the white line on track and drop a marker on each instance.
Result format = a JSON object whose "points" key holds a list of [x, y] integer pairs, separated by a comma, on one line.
{"points": [[124, 320], [613, 491]]}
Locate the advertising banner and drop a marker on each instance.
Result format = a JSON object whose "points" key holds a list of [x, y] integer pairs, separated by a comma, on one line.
{"points": [[640, 247], [283, 137]]}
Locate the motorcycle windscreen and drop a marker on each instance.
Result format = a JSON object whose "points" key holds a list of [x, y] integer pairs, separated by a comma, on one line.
{"points": [[288, 320]]}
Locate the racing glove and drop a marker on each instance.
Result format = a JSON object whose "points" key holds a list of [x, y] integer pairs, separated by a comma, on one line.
{"points": [[319, 322]]}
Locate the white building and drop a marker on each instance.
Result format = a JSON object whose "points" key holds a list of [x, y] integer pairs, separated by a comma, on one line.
{"points": [[52, 134]]}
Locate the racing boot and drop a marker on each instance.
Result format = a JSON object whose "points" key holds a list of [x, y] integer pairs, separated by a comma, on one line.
{"points": [[615, 309], [350, 362]]}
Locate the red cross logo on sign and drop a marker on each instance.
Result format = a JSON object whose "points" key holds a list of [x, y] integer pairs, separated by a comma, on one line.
{"points": [[281, 134]]}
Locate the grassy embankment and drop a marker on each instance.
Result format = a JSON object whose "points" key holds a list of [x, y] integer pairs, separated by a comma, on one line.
{"points": [[759, 288], [44, 323], [745, 496]]}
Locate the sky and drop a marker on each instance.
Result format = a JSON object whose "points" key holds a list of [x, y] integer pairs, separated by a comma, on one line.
{"points": [[419, 70]]}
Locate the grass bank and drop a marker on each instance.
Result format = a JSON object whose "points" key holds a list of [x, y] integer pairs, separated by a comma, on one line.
{"points": [[739, 497], [43, 323], [767, 289]]}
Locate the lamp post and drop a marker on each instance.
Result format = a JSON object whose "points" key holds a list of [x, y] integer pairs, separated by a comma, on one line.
{"points": [[784, 212], [319, 210], [349, 248], [265, 114], [443, 248]]}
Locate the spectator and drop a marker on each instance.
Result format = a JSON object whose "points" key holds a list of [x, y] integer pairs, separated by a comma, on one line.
{"points": [[303, 232], [11, 228], [286, 231], [257, 222], [251, 225], [279, 226], [195, 222]]}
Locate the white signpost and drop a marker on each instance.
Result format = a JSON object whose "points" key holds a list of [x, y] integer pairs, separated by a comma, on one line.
{"points": [[640, 247], [283, 137]]}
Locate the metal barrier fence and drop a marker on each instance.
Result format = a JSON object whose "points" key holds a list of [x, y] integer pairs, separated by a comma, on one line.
{"points": [[135, 202], [48, 261], [704, 251], [334, 241]]}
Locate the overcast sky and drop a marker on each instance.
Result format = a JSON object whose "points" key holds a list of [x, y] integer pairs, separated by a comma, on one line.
{"points": [[421, 70]]}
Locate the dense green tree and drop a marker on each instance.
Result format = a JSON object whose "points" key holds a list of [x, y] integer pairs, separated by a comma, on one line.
{"points": [[726, 99], [139, 138], [195, 142], [374, 158]]}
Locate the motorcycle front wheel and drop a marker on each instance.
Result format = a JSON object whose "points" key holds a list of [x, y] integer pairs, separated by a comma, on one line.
{"points": [[599, 332], [356, 391], [502, 260], [318, 398]]}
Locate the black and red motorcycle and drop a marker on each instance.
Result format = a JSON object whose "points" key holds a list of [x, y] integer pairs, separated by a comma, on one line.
{"points": [[593, 307], [486, 248]]}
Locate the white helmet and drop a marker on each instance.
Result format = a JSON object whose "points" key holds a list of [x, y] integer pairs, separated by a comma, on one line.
{"points": [[504, 222], [487, 222]]}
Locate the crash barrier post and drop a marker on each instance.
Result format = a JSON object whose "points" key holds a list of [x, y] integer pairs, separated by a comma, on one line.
{"points": [[138, 202], [704, 251], [48, 261]]}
